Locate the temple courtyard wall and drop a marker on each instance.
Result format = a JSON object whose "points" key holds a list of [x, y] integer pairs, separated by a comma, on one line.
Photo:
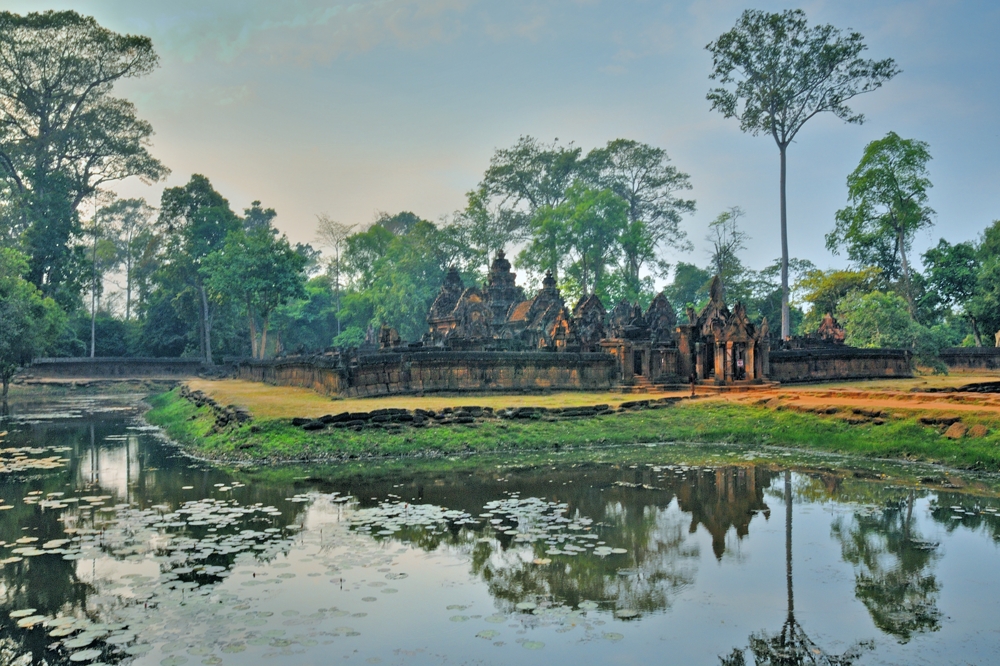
{"points": [[440, 371], [838, 363], [409, 372], [972, 358], [114, 367]]}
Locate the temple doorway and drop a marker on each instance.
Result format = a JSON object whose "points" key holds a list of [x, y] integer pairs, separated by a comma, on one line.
{"points": [[637, 363]]}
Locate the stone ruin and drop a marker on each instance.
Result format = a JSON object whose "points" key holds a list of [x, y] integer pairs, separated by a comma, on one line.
{"points": [[719, 344]]}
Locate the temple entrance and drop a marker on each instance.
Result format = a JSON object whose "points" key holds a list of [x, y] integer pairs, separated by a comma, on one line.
{"points": [[637, 363], [709, 360]]}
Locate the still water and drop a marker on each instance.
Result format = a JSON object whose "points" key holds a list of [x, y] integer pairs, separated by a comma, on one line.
{"points": [[115, 548]]}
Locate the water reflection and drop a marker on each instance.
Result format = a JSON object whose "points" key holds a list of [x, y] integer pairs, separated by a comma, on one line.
{"points": [[152, 556], [893, 566], [791, 646]]}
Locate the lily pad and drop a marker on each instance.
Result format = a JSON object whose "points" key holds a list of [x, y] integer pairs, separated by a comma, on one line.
{"points": [[85, 655]]}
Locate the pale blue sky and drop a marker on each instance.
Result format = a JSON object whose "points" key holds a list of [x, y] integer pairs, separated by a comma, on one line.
{"points": [[348, 108]]}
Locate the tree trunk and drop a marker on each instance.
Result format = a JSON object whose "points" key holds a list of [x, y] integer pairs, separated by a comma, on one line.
{"points": [[975, 332], [6, 387], [336, 287], [906, 274], [93, 295], [206, 325], [786, 315], [263, 338], [128, 291], [253, 333]]}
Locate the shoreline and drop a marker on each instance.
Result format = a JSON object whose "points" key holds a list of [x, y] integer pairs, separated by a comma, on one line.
{"points": [[907, 432]]}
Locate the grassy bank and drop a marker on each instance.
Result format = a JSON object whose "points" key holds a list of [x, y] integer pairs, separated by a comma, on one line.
{"points": [[899, 435]]}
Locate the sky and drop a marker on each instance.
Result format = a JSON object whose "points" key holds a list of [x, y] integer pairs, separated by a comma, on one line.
{"points": [[352, 107]]}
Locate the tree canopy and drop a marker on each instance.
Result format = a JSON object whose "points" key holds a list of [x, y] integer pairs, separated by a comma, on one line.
{"points": [[776, 72], [63, 135], [888, 206]]}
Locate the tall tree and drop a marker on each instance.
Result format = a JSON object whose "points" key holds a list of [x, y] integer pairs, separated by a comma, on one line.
{"points": [[103, 258], [953, 278], [782, 73], [197, 220], [259, 269], [530, 175], [642, 176], [131, 222], [62, 133], [487, 225], [727, 241], [585, 230], [888, 196], [332, 235]]}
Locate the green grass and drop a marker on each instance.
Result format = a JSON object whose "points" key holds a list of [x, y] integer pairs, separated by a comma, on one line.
{"points": [[276, 440]]}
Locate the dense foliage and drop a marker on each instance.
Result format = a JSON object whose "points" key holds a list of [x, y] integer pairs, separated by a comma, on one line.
{"points": [[192, 277]]}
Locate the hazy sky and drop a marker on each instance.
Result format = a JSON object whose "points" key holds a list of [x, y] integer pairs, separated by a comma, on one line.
{"points": [[349, 108]]}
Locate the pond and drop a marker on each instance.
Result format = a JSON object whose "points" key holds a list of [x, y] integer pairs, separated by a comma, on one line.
{"points": [[116, 548]]}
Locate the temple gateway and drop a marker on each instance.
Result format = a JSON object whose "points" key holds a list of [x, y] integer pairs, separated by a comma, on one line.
{"points": [[716, 345]]}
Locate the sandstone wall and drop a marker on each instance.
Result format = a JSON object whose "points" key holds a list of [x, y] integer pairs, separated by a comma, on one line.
{"points": [[110, 367], [428, 372], [804, 365], [972, 358]]}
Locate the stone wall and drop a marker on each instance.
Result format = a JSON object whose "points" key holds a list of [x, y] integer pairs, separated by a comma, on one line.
{"points": [[439, 371], [972, 358], [805, 365], [110, 367]]}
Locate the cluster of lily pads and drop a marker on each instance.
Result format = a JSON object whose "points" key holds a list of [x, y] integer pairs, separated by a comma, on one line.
{"points": [[25, 459], [534, 520], [528, 520]]}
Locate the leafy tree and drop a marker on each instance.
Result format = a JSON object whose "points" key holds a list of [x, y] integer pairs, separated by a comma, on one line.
{"points": [[953, 277], [62, 133], [29, 322], [782, 73], [888, 194], [332, 235], [102, 259], [531, 174], [197, 220], [689, 286], [642, 176], [488, 226], [309, 324], [393, 279], [131, 225], [255, 217], [877, 319], [580, 234], [985, 305], [259, 270], [824, 290], [727, 240]]}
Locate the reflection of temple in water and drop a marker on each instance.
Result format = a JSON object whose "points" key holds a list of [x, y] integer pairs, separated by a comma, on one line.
{"points": [[728, 499]]}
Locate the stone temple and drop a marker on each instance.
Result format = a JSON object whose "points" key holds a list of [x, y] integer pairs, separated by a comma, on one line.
{"points": [[717, 344]]}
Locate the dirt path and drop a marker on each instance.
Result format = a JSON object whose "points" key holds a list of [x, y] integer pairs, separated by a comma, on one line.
{"points": [[974, 403]]}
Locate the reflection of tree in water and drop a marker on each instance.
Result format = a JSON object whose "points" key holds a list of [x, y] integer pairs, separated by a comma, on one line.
{"points": [[790, 646], [891, 563], [637, 516], [57, 586]]}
